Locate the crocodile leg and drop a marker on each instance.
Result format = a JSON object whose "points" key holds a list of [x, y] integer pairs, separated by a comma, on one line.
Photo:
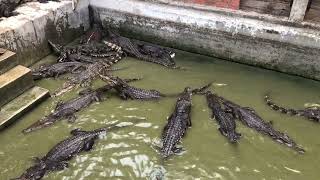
{"points": [[58, 166], [177, 150], [88, 145], [71, 118]]}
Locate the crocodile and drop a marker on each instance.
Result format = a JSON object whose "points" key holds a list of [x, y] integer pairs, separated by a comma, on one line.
{"points": [[55, 70], [83, 78], [155, 51], [88, 53], [56, 159], [225, 119], [69, 108], [7, 7], [126, 91], [251, 119], [143, 51], [179, 121], [311, 113]]}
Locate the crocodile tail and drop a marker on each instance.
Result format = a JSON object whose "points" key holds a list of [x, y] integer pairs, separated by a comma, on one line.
{"points": [[299, 149], [114, 47], [42, 123], [36, 171], [281, 109], [55, 47], [132, 80], [120, 125], [202, 89], [67, 86], [284, 139]]}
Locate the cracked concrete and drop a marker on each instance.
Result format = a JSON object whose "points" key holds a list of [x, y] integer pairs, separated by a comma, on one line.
{"points": [[27, 33]]}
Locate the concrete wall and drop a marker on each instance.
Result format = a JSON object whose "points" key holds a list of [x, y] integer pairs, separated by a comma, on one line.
{"points": [[267, 42], [27, 33]]}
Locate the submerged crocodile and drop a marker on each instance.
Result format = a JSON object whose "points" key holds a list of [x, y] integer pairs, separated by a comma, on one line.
{"points": [[56, 159], [126, 91], [178, 122], [311, 113], [143, 51], [83, 78], [225, 119], [55, 70], [7, 7], [251, 119], [69, 108]]}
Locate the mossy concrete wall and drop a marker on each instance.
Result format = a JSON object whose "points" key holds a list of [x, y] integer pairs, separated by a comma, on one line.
{"points": [[27, 33], [248, 38]]}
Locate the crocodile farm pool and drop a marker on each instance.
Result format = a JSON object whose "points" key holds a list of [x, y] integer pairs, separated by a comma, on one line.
{"points": [[159, 89], [132, 153]]}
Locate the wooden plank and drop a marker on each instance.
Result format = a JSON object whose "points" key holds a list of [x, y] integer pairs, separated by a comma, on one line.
{"points": [[273, 7], [298, 10]]}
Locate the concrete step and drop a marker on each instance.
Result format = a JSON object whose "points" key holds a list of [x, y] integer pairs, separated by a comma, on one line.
{"points": [[14, 82], [13, 110], [8, 60]]}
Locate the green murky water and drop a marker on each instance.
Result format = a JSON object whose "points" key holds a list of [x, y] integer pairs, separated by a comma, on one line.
{"points": [[128, 153]]}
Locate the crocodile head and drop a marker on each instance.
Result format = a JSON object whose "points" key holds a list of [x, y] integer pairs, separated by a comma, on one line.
{"points": [[57, 48], [285, 139], [44, 122], [233, 136], [186, 94], [160, 55], [40, 72], [312, 113], [187, 90]]}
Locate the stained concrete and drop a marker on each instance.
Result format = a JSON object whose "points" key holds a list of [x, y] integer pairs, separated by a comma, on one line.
{"points": [[270, 43], [27, 33], [7, 60], [22, 104], [14, 82]]}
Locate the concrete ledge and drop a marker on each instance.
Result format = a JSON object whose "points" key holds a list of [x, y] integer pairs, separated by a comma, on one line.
{"points": [[22, 104], [240, 13], [27, 33], [277, 46], [7, 61], [14, 82]]}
